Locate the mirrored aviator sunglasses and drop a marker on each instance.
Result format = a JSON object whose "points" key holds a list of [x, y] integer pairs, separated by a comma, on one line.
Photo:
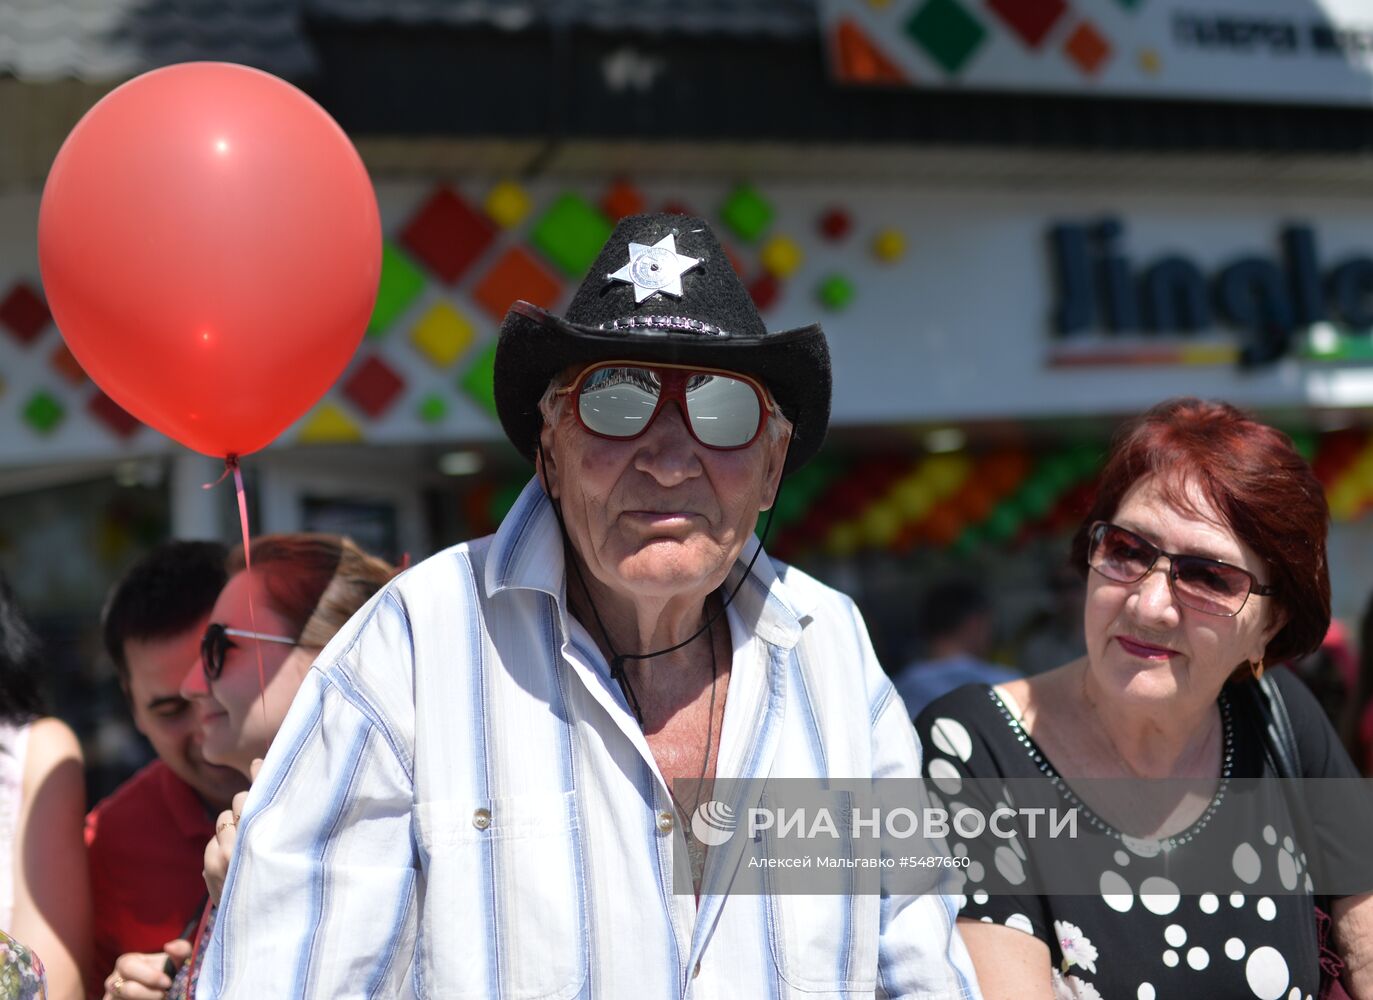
{"points": [[1206, 585], [619, 400], [216, 642]]}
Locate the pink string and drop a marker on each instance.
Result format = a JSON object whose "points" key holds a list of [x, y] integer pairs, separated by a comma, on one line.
{"points": [[231, 465]]}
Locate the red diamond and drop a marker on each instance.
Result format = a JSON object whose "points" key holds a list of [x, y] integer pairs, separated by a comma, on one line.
{"points": [[448, 234], [1087, 48], [835, 224], [1030, 19], [373, 387], [112, 415], [23, 313], [622, 199], [765, 291], [517, 275], [66, 365]]}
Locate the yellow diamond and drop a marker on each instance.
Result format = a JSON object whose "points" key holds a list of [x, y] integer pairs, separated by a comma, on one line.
{"points": [[508, 204], [442, 334], [781, 257], [330, 425], [889, 245], [1149, 61]]}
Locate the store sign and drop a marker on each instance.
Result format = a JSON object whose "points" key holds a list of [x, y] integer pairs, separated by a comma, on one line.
{"points": [[1102, 288], [1301, 51]]}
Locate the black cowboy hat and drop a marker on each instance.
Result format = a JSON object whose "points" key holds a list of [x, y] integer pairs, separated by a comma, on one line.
{"points": [[662, 290]]}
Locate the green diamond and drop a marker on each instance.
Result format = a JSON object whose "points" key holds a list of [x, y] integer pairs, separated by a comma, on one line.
{"points": [[433, 408], [43, 412], [746, 212], [835, 292], [947, 32], [479, 380], [571, 234], [401, 282]]}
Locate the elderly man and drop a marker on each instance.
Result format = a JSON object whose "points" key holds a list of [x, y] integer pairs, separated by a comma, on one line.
{"points": [[476, 793]]}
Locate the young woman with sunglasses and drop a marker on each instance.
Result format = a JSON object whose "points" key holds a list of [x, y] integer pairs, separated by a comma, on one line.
{"points": [[1204, 554], [265, 631]]}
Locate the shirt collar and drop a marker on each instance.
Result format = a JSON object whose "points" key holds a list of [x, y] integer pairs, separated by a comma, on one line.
{"points": [[527, 554]]}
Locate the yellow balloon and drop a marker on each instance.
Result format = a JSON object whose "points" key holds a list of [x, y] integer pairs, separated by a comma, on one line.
{"points": [[1345, 499], [913, 498], [881, 523], [945, 473], [843, 539]]}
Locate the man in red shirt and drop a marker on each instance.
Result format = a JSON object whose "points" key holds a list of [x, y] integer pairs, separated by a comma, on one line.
{"points": [[147, 840]]}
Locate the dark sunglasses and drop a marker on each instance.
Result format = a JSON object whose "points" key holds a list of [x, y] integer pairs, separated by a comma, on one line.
{"points": [[619, 400], [215, 645], [1206, 585]]}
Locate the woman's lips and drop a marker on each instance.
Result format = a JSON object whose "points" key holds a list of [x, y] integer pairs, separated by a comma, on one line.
{"points": [[1144, 650]]}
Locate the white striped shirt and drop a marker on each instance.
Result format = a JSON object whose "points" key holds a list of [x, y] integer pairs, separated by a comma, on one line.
{"points": [[461, 804]]}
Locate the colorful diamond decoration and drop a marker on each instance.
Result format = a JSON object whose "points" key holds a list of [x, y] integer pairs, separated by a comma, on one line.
{"points": [[401, 283], [675, 207], [746, 212], [330, 425], [835, 224], [947, 33], [781, 257], [508, 204], [479, 380], [859, 60], [442, 334], [447, 234], [835, 292], [889, 245], [764, 290], [373, 387], [66, 365], [432, 408], [117, 419], [1030, 20], [43, 412], [23, 313], [516, 275], [622, 199], [1087, 48], [571, 233]]}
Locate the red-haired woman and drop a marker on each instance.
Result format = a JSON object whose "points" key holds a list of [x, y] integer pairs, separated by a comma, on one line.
{"points": [[1204, 555]]}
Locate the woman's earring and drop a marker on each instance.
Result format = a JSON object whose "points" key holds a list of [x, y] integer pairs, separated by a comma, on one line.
{"points": [[1257, 668]]}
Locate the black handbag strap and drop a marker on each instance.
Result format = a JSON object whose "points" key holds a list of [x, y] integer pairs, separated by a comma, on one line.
{"points": [[1279, 737]]}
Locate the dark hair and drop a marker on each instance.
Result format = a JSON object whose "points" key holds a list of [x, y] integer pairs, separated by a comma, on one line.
{"points": [[1257, 483], [168, 590], [315, 581], [948, 605], [20, 700]]}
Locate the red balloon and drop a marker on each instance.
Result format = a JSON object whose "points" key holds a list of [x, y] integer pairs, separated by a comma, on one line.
{"points": [[211, 249]]}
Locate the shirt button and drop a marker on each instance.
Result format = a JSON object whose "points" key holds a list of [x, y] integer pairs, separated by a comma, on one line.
{"points": [[665, 821], [481, 819]]}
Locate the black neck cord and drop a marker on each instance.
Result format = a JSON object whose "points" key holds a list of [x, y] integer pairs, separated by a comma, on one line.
{"points": [[617, 659]]}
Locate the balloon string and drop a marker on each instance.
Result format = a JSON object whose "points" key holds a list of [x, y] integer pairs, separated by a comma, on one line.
{"points": [[231, 467], [231, 464]]}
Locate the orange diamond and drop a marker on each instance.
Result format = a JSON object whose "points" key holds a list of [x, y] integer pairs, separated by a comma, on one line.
{"points": [[1087, 48]]}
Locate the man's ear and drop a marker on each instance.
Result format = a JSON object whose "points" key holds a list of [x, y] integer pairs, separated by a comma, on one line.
{"points": [[777, 460], [545, 464]]}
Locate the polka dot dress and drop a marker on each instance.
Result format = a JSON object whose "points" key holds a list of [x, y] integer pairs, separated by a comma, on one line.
{"points": [[1138, 936]]}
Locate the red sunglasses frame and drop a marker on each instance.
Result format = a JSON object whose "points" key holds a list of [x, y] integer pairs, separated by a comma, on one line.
{"points": [[673, 389]]}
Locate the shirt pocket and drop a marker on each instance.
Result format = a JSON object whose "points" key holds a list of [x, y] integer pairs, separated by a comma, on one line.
{"points": [[825, 945], [504, 904]]}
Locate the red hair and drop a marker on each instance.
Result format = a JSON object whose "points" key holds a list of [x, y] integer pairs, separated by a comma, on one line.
{"points": [[1252, 476]]}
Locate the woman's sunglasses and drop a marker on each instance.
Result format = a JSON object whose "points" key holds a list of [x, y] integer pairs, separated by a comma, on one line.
{"points": [[1206, 585], [619, 400], [215, 645]]}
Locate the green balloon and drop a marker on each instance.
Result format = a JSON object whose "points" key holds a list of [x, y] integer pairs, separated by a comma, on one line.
{"points": [[967, 543], [1037, 498], [1306, 444], [1003, 523]]}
